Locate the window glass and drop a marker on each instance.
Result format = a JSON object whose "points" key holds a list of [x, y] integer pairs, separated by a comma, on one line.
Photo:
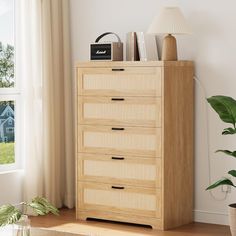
{"points": [[6, 43], [8, 93], [7, 135]]}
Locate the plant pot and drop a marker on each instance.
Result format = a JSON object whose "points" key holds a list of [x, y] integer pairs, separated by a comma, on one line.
{"points": [[232, 218], [22, 227]]}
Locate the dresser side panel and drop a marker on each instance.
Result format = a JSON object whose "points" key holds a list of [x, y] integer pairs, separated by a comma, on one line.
{"points": [[178, 170]]}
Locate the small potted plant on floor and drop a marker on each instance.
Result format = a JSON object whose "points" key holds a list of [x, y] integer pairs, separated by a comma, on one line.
{"points": [[226, 109], [12, 214]]}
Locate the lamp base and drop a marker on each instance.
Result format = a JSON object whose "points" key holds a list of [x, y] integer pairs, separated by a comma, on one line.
{"points": [[169, 49]]}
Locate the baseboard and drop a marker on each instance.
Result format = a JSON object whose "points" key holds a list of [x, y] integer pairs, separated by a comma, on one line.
{"points": [[211, 217]]}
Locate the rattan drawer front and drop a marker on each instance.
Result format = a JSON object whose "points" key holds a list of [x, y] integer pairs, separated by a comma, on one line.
{"points": [[117, 198], [131, 81], [120, 169], [131, 111], [115, 140]]}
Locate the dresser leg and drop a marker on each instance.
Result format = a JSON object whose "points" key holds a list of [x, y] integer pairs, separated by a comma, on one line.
{"points": [[156, 227], [82, 218]]}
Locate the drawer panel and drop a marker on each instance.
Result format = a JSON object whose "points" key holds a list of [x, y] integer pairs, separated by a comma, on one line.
{"points": [[134, 141], [120, 169], [132, 111], [114, 198], [141, 81]]}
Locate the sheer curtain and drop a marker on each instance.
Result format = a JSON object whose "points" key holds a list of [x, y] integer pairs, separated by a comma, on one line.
{"points": [[43, 67]]}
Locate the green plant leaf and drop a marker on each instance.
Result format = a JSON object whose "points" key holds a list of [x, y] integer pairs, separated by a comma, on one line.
{"points": [[232, 172], [42, 207], [9, 215], [225, 107], [229, 131], [223, 181], [227, 152]]}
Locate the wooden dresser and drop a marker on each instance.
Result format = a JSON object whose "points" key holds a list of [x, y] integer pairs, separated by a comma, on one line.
{"points": [[135, 142]]}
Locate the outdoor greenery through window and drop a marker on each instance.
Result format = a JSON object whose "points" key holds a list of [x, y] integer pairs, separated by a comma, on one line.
{"points": [[6, 65], [8, 94]]}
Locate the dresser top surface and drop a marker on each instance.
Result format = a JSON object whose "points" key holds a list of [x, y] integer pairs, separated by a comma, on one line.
{"points": [[87, 64]]}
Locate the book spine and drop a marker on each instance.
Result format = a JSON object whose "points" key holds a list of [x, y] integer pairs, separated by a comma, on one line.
{"points": [[128, 46], [151, 47], [141, 46], [131, 47], [136, 54]]}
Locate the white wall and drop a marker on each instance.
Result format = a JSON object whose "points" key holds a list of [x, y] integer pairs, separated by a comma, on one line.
{"points": [[11, 187], [211, 47]]}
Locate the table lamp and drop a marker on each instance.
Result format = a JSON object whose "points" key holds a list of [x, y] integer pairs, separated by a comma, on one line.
{"points": [[170, 21]]}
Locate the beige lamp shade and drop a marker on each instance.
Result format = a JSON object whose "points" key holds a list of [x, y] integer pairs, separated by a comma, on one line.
{"points": [[170, 21]]}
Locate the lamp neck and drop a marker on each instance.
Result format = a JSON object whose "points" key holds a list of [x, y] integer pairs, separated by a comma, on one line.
{"points": [[169, 49], [170, 36]]}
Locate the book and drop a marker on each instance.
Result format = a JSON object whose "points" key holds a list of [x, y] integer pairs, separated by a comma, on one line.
{"points": [[147, 47], [132, 47]]}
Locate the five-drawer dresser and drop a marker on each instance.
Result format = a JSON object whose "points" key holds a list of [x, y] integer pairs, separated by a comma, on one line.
{"points": [[134, 142]]}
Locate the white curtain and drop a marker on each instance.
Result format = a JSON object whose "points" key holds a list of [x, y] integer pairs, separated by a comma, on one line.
{"points": [[43, 68]]}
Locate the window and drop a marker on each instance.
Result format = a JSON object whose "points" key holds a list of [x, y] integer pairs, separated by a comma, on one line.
{"points": [[9, 89], [10, 130], [9, 122]]}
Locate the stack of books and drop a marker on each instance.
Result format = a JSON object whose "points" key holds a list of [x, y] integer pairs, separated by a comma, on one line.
{"points": [[141, 46]]}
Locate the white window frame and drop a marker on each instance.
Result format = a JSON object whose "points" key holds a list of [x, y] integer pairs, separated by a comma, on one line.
{"points": [[14, 94]]}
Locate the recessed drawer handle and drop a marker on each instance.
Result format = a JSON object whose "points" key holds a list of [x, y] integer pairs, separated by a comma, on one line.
{"points": [[118, 69], [117, 99], [117, 158], [117, 187], [118, 128]]}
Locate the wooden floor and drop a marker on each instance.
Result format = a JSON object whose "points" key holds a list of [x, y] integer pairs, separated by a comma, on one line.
{"points": [[66, 222]]}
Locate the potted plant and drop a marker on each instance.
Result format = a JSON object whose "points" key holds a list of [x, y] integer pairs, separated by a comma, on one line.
{"points": [[226, 109], [16, 214]]}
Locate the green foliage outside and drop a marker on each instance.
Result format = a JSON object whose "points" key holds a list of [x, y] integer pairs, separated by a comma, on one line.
{"points": [[225, 107], [7, 153], [6, 66], [4, 103]]}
